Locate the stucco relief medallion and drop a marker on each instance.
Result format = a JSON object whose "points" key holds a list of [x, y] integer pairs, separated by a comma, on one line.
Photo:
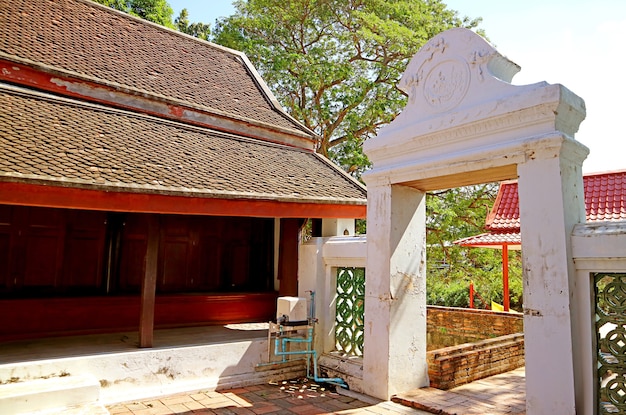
{"points": [[446, 84]]}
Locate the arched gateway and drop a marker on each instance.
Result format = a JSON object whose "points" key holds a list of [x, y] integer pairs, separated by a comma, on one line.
{"points": [[466, 124]]}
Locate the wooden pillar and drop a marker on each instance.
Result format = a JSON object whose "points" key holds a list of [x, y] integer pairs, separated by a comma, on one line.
{"points": [[148, 285]]}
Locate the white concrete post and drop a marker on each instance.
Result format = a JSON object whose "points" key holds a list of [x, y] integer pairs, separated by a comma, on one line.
{"points": [[551, 198], [394, 354]]}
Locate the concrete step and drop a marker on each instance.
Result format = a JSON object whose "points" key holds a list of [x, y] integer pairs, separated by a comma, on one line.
{"points": [[47, 395], [87, 409]]}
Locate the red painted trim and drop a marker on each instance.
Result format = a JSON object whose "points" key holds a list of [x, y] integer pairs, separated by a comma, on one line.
{"points": [[12, 193], [103, 94]]}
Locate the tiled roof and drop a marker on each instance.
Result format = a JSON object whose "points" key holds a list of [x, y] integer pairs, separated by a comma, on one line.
{"points": [[605, 196], [69, 143], [493, 239], [505, 211], [103, 45], [605, 200]]}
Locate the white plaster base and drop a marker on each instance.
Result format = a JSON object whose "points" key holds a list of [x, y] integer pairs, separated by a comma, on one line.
{"points": [[146, 373]]}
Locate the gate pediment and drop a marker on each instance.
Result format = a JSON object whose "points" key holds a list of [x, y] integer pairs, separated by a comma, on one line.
{"points": [[463, 115]]}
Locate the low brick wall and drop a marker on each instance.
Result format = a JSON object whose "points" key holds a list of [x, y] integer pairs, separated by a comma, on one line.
{"points": [[468, 322], [457, 365], [497, 345]]}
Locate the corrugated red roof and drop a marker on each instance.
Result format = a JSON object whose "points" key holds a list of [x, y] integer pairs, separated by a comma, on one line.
{"points": [[605, 200]]}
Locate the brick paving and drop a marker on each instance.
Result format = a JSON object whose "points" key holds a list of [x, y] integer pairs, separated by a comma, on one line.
{"points": [[503, 394], [282, 398]]}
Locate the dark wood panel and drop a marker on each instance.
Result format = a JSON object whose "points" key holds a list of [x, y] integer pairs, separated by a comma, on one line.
{"points": [[42, 236], [133, 247], [84, 250], [48, 252], [177, 257], [192, 309], [5, 253], [46, 317], [210, 264]]}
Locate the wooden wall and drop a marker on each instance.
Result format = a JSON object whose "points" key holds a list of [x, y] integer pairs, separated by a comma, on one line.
{"points": [[66, 271]]}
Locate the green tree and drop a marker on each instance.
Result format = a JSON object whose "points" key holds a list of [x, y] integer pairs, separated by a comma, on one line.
{"points": [[454, 214], [334, 64], [157, 11], [199, 30]]}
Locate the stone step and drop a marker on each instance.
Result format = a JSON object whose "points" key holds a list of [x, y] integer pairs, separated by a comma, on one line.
{"points": [[49, 395]]}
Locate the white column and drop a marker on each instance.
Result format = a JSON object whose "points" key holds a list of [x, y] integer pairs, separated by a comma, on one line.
{"points": [[394, 356], [312, 277], [551, 202]]}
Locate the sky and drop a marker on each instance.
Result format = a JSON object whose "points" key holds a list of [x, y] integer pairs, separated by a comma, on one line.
{"points": [[577, 43]]}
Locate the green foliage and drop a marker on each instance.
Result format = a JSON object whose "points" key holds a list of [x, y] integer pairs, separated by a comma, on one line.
{"points": [[157, 11], [120, 5], [455, 214], [334, 64], [447, 293], [199, 30]]}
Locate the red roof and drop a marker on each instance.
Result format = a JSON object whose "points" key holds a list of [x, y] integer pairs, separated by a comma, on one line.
{"points": [[491, 240], [605, 200]]}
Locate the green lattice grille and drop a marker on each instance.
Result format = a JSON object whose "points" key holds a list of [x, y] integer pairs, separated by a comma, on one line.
{"points": [[350, 310], [610, 302]]}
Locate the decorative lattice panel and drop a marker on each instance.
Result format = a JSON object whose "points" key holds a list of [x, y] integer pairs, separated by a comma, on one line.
{"points": [[350, 310], [610, 302]]}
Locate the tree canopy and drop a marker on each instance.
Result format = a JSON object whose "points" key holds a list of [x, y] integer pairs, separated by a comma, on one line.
{"points": [[160, 12], [458, 213], [199, 30], [334, 64], [157, 11]]}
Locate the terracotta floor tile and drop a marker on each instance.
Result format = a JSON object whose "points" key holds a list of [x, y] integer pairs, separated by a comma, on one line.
{"points": [[270, 409], [309, 399]]}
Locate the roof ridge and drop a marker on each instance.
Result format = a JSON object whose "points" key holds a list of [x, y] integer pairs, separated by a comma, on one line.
{"points": [[140, 58], [269, 95], [92, 3]]}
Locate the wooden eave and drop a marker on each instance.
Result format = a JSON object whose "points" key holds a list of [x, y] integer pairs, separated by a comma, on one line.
{"points": [[56, 196]]}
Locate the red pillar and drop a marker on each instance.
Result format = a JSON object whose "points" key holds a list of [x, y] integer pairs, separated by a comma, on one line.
{"points": [[505, 277]]}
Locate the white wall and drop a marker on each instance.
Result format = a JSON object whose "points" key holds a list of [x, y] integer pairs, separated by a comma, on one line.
{"points": [[598, 247]]}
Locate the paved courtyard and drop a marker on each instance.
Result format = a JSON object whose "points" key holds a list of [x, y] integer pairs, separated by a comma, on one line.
{"points": [[502, 394], [282, 398]]}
